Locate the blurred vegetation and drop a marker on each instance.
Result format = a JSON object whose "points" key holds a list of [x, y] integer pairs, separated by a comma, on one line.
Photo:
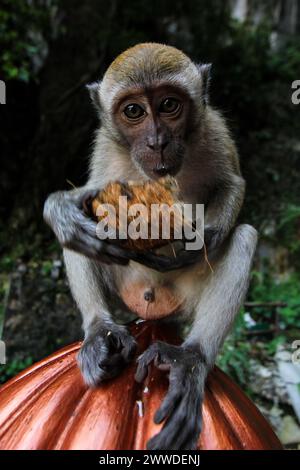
{"points": [[13, 367], [49, 49], [24, 28], [246, 341]]}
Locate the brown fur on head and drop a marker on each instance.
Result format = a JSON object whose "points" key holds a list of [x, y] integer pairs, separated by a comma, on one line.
{"points": [[152, 79]]}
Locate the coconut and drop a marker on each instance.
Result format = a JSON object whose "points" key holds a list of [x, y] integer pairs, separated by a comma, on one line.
{"points": [[157, 219]]}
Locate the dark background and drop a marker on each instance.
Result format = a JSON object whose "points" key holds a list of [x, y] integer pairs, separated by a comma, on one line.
{"points": [[49, 51]]}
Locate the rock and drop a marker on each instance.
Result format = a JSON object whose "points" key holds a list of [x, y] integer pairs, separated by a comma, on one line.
{"points": [[267, 382], [290, 431], [290, 375], [273, 415]]}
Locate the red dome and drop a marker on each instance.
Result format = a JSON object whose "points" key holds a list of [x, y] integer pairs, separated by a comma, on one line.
{"points": [[48, 407]]}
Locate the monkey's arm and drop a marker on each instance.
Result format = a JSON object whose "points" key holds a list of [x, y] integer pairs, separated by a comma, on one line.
{"points": [[218, 300], [65, 214], [223, 209], [63, 211], [107, 346]]}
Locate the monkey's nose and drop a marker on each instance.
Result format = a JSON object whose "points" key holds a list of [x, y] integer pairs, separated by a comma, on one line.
{"points": [[162, 170], [157, 146]]}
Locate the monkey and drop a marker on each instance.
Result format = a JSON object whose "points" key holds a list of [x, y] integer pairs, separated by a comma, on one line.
{"points": [[156, 120]]}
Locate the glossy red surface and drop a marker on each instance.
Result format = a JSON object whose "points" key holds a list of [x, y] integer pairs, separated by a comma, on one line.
{"points": [[49, 407]]}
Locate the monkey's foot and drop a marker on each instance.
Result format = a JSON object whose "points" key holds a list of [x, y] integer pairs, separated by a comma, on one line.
{"points": [[104, 355], [181, 407]]}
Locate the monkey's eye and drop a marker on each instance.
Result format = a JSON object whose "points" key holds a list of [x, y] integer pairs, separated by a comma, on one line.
{"points": [[169, 105], [134, 111]]}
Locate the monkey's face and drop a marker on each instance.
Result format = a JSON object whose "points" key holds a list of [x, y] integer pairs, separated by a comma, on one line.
{"points": [[153, 125]]}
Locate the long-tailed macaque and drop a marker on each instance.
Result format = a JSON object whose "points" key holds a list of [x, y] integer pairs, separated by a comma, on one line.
{"points": [[155, 121]]}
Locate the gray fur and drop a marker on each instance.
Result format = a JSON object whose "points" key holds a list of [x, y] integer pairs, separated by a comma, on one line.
{"points": [[93, 89], [205, 72]]}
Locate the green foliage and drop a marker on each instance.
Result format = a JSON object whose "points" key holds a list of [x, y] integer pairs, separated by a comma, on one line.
{"points": [[47, 267], [288, 229], [239, 347], [12, 368], [265, 289], [254, 78], [251, 82], [23, 25], [271, 346], [1, 318], [5, 266], [288, 62], [236, 352]]}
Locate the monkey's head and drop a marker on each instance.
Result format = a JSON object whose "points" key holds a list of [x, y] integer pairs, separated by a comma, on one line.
{"points": [[151, 99]]}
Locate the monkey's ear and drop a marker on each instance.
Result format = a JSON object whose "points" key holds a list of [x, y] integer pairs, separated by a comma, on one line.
{"points": [[93, 89], [205, 71]]}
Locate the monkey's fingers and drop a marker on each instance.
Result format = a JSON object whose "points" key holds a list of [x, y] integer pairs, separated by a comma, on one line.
{"points": [[164, 440], [85, 200], [151, 260], [164, 263], [144, 360], [122, 255], [189, 430], [112, 365], [89, 248], [125, 344], [169, 403], [115, 250], [186, 258], [141, 372], [87, 234], [183, 423], [129, 345], [92, 248], [120, 341], [89, 244], [88, 226], [213, 238]]}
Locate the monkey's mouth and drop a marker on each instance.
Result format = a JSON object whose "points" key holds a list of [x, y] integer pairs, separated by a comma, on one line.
{"points": [[164, 169]]}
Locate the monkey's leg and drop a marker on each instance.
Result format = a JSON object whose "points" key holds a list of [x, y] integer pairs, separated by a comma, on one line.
{"points": [[107, 347], [220, 296], [222, 212]]}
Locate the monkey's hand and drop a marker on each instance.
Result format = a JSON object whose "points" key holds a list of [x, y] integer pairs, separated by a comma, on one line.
{"points": [[181, 407], [214, 237], [105, 353], [64, 212], [164, 263]]}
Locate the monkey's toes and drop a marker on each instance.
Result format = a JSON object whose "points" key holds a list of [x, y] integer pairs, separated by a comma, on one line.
{"points": [[104, 356]]}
